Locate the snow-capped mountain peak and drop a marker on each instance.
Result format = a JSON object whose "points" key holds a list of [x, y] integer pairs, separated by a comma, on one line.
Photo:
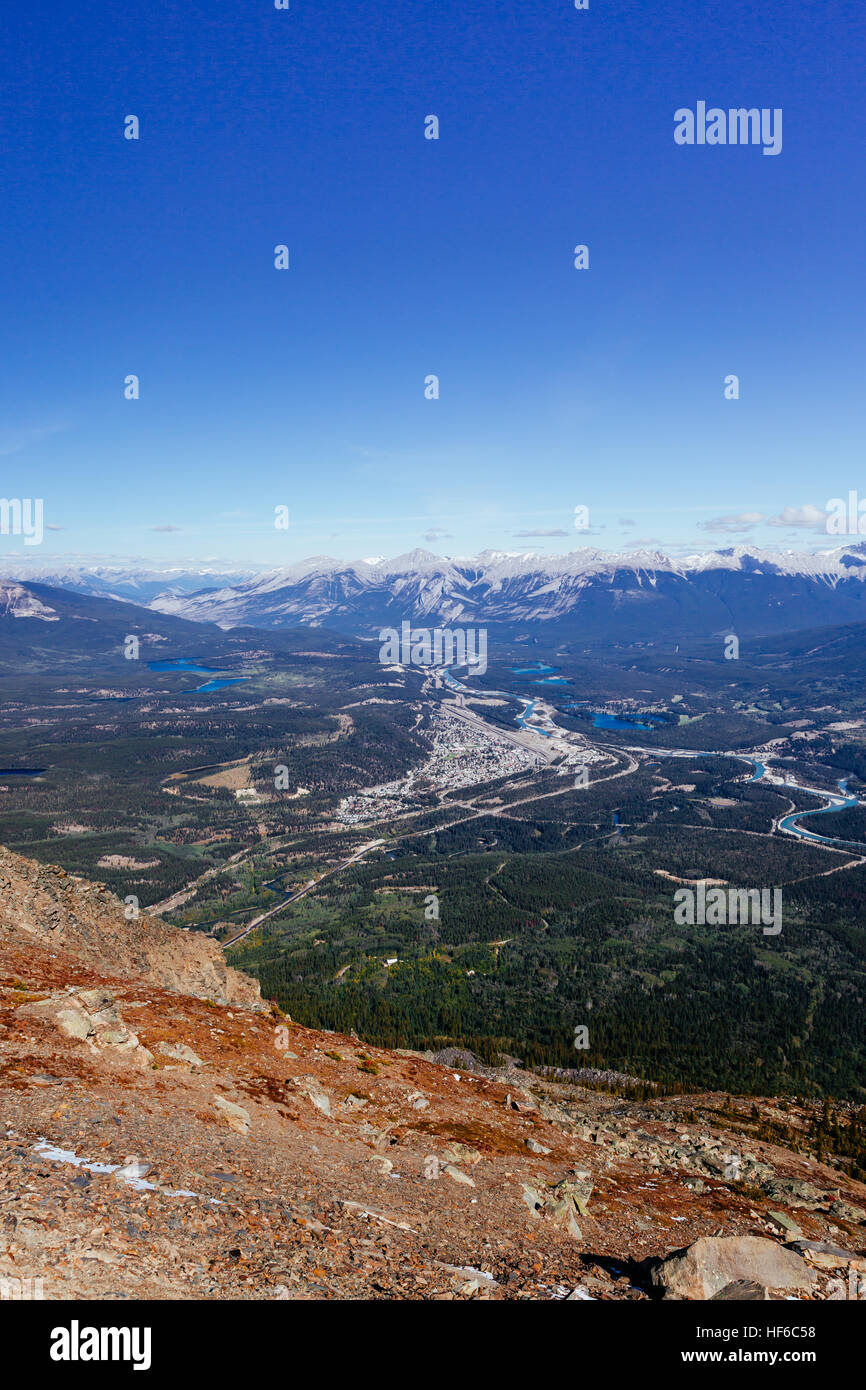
{"points": [[597, 592]]}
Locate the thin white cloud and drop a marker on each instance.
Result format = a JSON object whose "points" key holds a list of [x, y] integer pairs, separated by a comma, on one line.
{"points": [[539, 531], [737, 521], [13, 440]]}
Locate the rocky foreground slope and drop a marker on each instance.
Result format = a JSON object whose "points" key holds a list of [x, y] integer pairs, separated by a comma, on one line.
{"points": [[163, 1134]]}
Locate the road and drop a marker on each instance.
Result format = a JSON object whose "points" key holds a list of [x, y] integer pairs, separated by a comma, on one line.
{"points": [[302, 892], [178, 899], [494, 731], [470, 717]]}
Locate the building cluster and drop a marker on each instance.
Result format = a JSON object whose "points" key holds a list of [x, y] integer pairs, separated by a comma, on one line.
{"points": [[461, 755]]}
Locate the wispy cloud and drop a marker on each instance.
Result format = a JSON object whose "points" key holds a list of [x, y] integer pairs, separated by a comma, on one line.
{"points": [[539, 531], [15, 438], [736, 522]]}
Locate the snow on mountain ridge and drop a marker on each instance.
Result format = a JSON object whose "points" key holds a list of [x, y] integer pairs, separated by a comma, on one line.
{"points": [[18, 602], [600, 590]]}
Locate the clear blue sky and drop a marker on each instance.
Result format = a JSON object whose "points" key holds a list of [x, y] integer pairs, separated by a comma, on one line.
{"points": [[410, 257]]}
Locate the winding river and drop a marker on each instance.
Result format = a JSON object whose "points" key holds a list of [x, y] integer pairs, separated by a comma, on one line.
{"points": [[788, 825]]}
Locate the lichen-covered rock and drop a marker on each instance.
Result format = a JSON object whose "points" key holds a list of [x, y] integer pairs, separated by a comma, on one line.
{"points": [[562, 1202], [91, 1016], [235, 1116], [179, 1052]]}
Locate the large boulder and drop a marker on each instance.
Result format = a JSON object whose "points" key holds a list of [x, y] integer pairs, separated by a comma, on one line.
{"points": [[91, 1016], [827, 1256], [235, 1116], [706, 1267]]}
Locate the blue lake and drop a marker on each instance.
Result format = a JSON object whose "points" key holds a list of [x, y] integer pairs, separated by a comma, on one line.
{"points": [[194, 668], [219, 684], [538, 670], [610, 721], [182, 664]]}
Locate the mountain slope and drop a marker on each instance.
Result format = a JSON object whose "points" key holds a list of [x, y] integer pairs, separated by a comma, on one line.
{"points": [[156, 1144], [588, 594], [41, 623], [65, 912]]}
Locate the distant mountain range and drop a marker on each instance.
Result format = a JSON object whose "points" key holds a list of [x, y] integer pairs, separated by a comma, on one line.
{"points": [[128, 582], [587, 594], [591, 595], [41, 626]]}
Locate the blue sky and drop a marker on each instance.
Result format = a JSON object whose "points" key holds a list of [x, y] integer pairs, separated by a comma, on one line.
{"points": [[412, 257]]}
